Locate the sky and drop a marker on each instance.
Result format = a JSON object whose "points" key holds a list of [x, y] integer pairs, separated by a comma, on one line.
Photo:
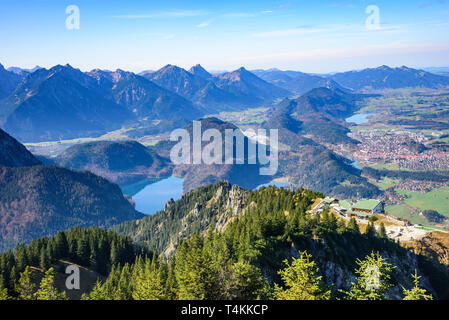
{"points": [[316, 36]]}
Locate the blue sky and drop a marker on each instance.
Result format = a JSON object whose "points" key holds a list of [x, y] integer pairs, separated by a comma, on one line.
{"points": [[312, 36]]}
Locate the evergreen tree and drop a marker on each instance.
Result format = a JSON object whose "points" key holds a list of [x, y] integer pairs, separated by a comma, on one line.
{"points": [[73, 247], [353, 226], [115, 254], [248, 283], [47, 289], [382, 231], [62, 245], [370, 230], [97, 293], [82, 251], [44, 261], [21, 257], [193, 269], [123, 288], [25, 287], [13, 276], [102, 257], [171, 284], [150, 281], [416, 293], [3, 290], [302, 281], [373, 279]]}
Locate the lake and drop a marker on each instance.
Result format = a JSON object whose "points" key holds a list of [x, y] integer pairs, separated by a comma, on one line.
{"points": [[150, 195], [359, 118], [152, 198], [355, 164]]}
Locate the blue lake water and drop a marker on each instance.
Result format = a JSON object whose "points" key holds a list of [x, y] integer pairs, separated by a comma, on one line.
{"points": [[154, 196], [359, 118], [355, 164]]}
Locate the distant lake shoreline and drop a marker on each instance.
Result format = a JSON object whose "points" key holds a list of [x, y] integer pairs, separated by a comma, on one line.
{"points": [[359, 118], [150, 195]]}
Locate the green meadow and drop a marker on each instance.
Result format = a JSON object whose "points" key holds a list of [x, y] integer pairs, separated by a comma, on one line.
{"points": [[437, 199]]}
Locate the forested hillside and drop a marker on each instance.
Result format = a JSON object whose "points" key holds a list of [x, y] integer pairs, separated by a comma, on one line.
{"points": [[94, 248], [263, 228], [121, 162], [37, 201], [268, 247]]}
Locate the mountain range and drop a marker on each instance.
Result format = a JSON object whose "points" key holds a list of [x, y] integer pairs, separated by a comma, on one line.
{"points": [[213, 93], [385, 77], [65, 103], [295, 81], [61, 103], [143, 97]]}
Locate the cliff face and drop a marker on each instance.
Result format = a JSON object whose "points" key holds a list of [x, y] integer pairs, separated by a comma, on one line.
{"points": [[216, 205], [434, 245]]}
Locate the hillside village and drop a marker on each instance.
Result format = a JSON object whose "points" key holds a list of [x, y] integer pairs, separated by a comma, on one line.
{"points": [[370, 210]]}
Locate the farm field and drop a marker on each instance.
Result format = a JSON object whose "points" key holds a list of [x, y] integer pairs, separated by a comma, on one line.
{"points": [[402, 212], [242, 118], [437, 199], [385, 183]]}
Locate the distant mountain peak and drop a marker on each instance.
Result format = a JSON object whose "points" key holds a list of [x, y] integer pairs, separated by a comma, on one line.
{"points": [[198, 70], [169, 69], [384, 67], [405, 68], [62, 68]]}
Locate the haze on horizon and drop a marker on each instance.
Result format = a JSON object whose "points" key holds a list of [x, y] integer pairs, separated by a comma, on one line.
{"points": [[312, 36]]}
